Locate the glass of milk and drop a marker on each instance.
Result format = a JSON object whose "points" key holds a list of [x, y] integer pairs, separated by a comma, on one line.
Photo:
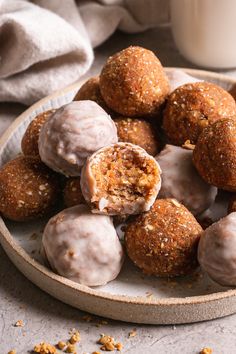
{"points": [[205, 31]]}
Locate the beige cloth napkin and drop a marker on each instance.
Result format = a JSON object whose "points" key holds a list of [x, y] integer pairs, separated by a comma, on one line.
{"points": [[47, 44]]}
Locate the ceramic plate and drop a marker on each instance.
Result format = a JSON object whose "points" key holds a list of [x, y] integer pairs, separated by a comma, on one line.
{"points": [[132, 296]]}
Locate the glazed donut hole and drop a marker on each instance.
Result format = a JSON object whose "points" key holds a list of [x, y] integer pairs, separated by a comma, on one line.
{"points": [[82, 246], [192, 107], [216, 251], [139, 132], [120, 179]]}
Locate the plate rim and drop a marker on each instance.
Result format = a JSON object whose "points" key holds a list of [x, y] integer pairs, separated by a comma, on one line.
{"points": [[137, 300]]}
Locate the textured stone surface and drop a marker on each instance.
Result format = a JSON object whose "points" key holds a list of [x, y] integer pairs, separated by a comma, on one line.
{"points": [[46, 319]]}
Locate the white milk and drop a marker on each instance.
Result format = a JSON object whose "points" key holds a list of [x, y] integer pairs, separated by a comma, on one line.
{"points": [[205, 31]]}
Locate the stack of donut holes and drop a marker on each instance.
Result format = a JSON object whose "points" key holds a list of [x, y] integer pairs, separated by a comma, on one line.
{"points": [[129, 149]]}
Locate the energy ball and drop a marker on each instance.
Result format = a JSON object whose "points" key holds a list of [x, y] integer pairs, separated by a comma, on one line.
{"points": [[73, 133], [28, 189], [139, 132], [90, 90], [82, 246], [29, 143], [120, 179], [163, 241], [133, 83], [215, 154], [192, 107], [217, 249], [72, 194], [181, 181]]}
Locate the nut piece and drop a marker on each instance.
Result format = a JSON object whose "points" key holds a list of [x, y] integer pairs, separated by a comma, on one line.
{"points": [[28, 189], [138, 132], [133, 82], [215, 154], [164, 241], [217, 248], [192, 107], [91, 254], [72, 134], [45, 348], [61, 345], [29, 143], [70, 348], [109, 344], [120, 179], [75, 337]]}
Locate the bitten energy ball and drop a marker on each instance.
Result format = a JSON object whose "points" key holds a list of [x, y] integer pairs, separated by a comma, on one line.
{"points": [[28, 189], [120, 179], [72, 134], [181, 181], [215, 154], [72, 193], [133, 82], [90, 90], [163, 241], [217, 249], [192, 107], [82, 246], [29, 143], [139, 132]]}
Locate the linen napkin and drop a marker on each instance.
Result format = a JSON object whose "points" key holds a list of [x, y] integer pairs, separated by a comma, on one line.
{"points": [[47, 44]]}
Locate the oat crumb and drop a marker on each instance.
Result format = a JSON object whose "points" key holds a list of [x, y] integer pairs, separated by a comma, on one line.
{"points": [[133, 333], [75, 337], [44, 348], [119, 346], [12, 352], [61, 345], [19, 323], [70, 348], [87, 318], [96, 352], [206, 351]]}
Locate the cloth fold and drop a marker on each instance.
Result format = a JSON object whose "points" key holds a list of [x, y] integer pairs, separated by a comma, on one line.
{"points": [[46, 45]]}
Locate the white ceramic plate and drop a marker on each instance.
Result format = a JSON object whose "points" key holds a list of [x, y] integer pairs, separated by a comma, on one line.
{"points": [[132, 296]]}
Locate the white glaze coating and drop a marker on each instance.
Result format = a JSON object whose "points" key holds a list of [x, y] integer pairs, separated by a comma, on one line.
{"points": [[73, 133], [179, 77], [181, 181], [82, 246], [113, 206], [217, 250]]}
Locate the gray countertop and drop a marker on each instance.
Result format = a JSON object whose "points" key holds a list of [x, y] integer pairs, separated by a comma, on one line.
{"points": [[46, 319]]}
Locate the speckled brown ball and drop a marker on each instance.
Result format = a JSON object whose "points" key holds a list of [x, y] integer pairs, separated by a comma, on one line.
{"points": [[139, 132], [232, 204], [29, 143], [28, 189], [72, 194], [192, 107], [163, 241], [90, 90], [214, 155], [133, 82]]}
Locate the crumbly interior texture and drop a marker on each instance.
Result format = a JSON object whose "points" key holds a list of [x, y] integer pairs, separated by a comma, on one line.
{"points": [[124, 175]]}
